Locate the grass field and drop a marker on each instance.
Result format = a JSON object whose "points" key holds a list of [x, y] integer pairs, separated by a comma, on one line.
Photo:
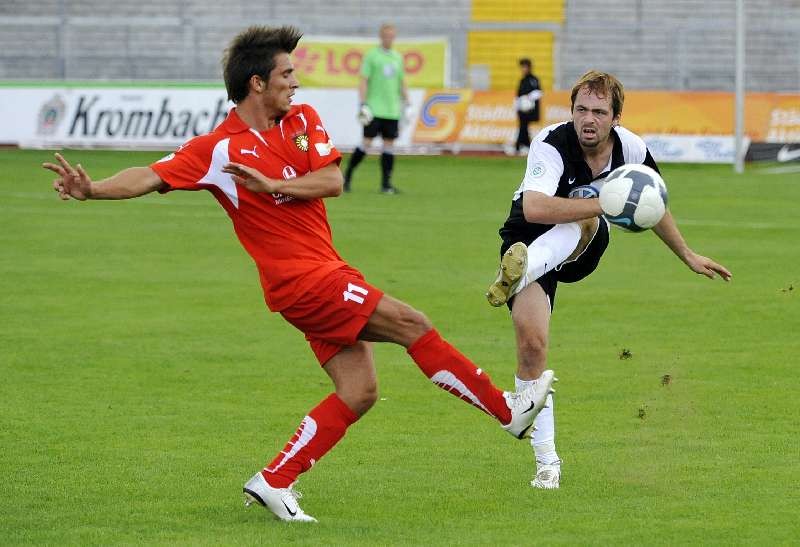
{"points": [[143, 380]]}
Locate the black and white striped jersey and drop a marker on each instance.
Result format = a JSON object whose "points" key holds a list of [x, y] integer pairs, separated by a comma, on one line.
{"points": [[556, 166]]}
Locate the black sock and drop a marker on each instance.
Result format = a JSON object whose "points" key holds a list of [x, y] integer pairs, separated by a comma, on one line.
{"points": [[355, 159], [387, 163]]}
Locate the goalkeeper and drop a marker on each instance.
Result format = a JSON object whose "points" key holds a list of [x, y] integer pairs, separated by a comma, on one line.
{"points": [[382, 92], [527, 104]]}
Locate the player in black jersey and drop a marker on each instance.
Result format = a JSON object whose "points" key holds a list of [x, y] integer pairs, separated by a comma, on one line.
{"points": [[549, 238]]}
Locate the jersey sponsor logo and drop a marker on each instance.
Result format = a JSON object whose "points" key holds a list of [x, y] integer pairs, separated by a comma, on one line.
{"points": [[280, 199], [538, 169], [323, 148], [253, 152], [289, 172], [784, 154], [301, 141]]}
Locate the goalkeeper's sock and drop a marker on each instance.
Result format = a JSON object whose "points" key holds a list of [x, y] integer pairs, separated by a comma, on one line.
{"points": [[355, 159], [387, 165]]}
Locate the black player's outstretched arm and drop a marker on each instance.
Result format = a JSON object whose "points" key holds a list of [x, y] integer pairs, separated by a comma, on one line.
{"points": [[668, 231]]}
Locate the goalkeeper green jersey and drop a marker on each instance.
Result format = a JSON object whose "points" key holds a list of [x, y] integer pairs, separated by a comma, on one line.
{"points": [[383, 70]]}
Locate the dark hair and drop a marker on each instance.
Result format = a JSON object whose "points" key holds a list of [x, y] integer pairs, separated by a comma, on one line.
{"points": [[526, 63], [601, 84], [252, 53]]}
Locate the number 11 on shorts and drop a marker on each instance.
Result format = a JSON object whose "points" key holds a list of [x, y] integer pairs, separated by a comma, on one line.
{"points": [[350, 293]]}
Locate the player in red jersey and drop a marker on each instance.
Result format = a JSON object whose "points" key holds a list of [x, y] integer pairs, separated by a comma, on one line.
{"points": [[270, 164]]}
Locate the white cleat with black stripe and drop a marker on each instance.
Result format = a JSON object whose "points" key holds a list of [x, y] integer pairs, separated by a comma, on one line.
{"points": [[281, 501], [526, 404]]}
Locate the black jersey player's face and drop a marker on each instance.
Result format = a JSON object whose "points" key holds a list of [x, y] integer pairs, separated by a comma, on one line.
{"points": [[281, 86], [593, 118]]}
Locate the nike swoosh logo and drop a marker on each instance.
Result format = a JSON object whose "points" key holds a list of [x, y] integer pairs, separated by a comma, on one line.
{"points": [[292, 513], [530, 408], [571, 182], [784, 154]]}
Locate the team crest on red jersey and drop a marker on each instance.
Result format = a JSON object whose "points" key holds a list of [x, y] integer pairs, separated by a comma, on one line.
{"points": [[301, 141]]}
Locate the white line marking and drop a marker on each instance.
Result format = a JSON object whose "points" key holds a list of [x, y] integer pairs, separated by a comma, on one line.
{"points": [[780, 170]]}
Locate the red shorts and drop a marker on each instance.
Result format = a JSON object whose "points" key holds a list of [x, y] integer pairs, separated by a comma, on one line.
{"points": [[334, 312]]}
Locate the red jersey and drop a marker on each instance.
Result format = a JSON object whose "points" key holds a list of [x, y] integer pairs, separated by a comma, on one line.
{"points": [[289, 239]]}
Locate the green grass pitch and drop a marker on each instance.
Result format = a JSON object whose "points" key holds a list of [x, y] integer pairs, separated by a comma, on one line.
{"points": [[143, 379]]}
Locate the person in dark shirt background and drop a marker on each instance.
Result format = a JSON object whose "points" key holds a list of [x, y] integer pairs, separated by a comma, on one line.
{"points": [[527, 104]]}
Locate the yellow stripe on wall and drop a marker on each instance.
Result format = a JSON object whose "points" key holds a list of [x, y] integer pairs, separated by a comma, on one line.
{"points": [[484, 47], [548, 11]]}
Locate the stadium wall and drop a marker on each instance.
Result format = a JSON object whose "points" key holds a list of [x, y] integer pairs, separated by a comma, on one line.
{"points": [[650, 44]]}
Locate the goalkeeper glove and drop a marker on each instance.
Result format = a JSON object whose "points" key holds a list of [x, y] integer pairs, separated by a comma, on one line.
{"points": [[365, 115]]}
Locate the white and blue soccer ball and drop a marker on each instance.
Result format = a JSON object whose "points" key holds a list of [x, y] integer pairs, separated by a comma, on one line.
{"points": [[634, 197]]}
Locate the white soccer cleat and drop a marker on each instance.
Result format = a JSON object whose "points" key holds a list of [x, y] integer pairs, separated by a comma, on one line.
{"points": [[526, 404], [548, 477], [512, 268], [281, 501]]}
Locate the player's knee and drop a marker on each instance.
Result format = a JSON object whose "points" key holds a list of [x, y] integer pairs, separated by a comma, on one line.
{"points": [[365, 400], [365, 397], [533, 349]]}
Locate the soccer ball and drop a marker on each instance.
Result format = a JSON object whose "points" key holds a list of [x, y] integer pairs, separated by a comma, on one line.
{"points": [[634, 197]]}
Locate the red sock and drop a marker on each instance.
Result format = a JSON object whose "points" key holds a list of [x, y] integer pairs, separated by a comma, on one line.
{"points": [[318, 433], [451, 371]]}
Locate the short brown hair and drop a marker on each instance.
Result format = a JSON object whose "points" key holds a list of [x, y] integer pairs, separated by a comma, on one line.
{"points": [[252, 53], [601, 84]]}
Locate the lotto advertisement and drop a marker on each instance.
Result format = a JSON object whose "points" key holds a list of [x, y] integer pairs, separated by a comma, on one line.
{"points": [[337, 63]]}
